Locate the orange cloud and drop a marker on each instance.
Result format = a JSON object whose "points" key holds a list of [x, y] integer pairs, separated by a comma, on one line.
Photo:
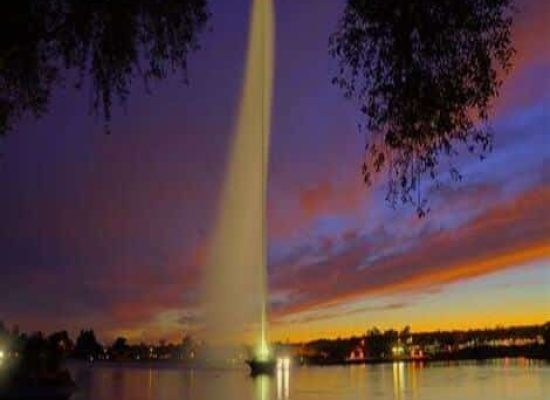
{"points": [[506, 236], [316, 199]]}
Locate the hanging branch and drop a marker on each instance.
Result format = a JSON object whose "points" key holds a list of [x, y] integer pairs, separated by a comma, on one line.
{"points": [[111, 41], [424, 73]]}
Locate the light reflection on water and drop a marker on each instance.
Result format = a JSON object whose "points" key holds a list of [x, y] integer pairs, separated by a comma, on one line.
{"points": [[504, 380], [283, 379], [398, 380]]}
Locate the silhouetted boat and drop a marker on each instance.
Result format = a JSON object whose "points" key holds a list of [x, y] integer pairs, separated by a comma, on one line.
{"points": [[262, 367]]}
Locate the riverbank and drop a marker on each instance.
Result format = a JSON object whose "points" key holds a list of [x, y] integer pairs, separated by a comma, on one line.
{"points": [[541, 353]]}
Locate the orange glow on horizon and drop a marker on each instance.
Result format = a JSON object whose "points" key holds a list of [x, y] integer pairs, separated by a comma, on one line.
{"points": [[285, 333], [470, 269], [430, 279]]}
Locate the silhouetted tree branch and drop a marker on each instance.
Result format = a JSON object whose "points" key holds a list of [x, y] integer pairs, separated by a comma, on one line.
{"points": [[111, 41], [424, 73]]}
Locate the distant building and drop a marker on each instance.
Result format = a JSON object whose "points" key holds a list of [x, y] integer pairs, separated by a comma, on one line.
{"points": [[358, 353]]}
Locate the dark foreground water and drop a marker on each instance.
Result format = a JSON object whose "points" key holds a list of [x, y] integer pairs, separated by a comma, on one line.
{"points": [[503, 379]]}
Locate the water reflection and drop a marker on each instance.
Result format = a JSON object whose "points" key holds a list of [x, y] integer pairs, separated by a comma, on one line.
{"points": [[283, 379], [415, 370], [511, 380], [150, 384], [191, 383], [262, 387], [398, 380]]}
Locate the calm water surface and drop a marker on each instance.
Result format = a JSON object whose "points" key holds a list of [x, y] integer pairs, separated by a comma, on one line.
{"points": [[503, 380]]}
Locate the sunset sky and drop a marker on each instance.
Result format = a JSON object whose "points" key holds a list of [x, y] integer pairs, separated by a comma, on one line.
{"points": [[111, 231]]}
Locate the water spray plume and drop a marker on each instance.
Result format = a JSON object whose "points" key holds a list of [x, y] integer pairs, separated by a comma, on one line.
{"points": [[235, 279]]}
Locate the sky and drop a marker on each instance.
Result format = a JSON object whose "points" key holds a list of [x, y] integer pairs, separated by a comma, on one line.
{"points": [[111, 231]]}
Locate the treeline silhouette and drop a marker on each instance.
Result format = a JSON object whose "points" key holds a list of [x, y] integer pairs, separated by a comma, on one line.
{"points": [[379, 346], [41, 352], [56, 347]]}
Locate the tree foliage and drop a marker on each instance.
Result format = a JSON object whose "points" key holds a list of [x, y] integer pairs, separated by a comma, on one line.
{"points": [[87, 345], [111, 41], [120, 346], [425, 73]]}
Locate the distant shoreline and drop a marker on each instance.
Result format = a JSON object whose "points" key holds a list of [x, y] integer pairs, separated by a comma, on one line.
{"points": [[425, 360], [536, 352], [328, 363]]}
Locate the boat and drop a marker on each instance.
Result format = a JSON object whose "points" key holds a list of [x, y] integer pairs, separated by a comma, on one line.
{"points": [[262, 367]]}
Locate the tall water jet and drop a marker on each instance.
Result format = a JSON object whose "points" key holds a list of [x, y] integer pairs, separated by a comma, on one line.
{"points": [[235, 278]]}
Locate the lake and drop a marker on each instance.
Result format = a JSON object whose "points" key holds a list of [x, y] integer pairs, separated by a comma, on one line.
{"points": [[500, 379]]}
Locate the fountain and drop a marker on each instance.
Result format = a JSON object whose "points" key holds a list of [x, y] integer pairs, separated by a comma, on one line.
{"points": [[235, 278]]}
